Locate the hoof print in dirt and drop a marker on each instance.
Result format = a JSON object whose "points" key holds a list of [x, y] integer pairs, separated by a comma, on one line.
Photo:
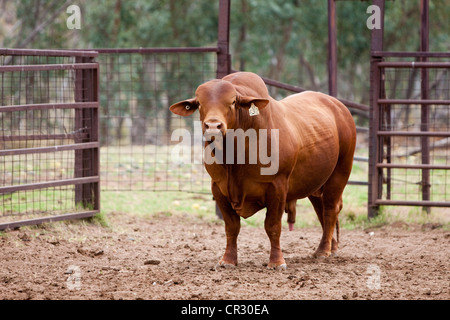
{"points": [[153, 262], [90, 252]]}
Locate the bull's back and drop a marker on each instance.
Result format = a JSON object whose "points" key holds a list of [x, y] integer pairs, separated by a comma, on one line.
{"points": [[324, 129]]}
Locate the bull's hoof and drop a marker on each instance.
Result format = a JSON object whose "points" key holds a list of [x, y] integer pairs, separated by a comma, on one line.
{"points": [[334, 254], [226, 264], [319, 254], [277, 267]]}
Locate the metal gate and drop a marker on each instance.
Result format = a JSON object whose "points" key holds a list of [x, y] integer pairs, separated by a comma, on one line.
{"points": [[49, 140], [410, 131]]}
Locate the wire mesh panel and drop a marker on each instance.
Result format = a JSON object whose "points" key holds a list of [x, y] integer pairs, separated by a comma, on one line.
{"points": [[138, 132], [48, 138], [414, 134]]}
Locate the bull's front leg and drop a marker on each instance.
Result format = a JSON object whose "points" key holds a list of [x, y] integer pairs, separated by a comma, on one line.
{"points": [[232, 227], [276, 203]]}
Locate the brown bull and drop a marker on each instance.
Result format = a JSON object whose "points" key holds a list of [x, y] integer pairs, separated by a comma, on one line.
{"points": [[316, 145]]}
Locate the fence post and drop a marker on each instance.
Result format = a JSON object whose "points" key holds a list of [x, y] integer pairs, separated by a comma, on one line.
{"points": [[87, 161], [375, 182], [424, 110], [332, 52], [223, 44], [223, 54]]}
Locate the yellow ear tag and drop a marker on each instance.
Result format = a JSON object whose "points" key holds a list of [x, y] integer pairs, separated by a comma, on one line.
{"points": [[253, 110]]}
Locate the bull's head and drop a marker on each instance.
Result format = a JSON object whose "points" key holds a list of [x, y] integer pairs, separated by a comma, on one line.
{"points": [[218, 102]]}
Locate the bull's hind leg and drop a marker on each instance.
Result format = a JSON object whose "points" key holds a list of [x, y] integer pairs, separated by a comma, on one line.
{"points": [[317, 202], [328, 244], [332, 205]]}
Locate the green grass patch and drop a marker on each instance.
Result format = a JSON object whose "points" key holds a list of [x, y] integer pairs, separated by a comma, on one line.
{"points": [[101, 220], [146, 204]]}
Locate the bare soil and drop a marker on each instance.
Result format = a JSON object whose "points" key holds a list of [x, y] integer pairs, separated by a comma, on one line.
{"points": [[174, 257]]}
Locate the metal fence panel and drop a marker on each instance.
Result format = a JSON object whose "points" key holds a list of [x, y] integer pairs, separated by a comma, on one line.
{"points": [[49, 136], [412, 132]]}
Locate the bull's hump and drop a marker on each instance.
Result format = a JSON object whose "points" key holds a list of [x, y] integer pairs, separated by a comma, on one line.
{"points": [[248, 83], [215, 88]]}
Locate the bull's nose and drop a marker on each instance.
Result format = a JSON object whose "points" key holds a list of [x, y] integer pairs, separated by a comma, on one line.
{"points": [[213, 126]]}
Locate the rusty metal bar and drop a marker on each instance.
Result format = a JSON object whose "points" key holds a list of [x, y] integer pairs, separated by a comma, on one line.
{"points": [[48, 106], [362, 159], [375, 150], [413, 203], [72, 135], [281, 85], [95, 136], [414, 64], [332, 51], [49, 184], [159, 50], [65, 147], [414, 133], [223, 43], [424, 110], [413, 166], [375, 175], [354, 105], [376, 38], [386, 120], [413, 101], [47, 53], [48, 67], [87, 160], [70, 216], [358, 183], [223, 53], [408, 54], [362, 129]]}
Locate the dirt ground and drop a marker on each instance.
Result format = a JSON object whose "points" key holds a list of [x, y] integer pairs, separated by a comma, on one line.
{"points": [[174, 257]]}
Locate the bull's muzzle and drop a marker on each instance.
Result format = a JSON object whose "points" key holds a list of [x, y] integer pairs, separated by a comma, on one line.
{"points": [[213, 128]]}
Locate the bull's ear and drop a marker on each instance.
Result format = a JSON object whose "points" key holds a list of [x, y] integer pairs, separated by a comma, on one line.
{"points": [[185, 108], [247, 101]]}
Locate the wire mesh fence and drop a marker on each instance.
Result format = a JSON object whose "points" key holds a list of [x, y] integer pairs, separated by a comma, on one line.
{"points": [[48, 121], [415, 135], [136, 125]]}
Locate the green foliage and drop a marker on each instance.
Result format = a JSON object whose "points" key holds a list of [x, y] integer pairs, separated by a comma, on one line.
{"points": [[101, 220], [147, 24], [283, 40]]}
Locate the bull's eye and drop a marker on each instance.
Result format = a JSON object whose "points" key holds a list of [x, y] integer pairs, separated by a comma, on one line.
{"points": [[188, 107]]}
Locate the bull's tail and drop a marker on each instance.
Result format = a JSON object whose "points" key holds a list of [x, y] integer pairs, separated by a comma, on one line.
{"points": [[337, 230]]}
